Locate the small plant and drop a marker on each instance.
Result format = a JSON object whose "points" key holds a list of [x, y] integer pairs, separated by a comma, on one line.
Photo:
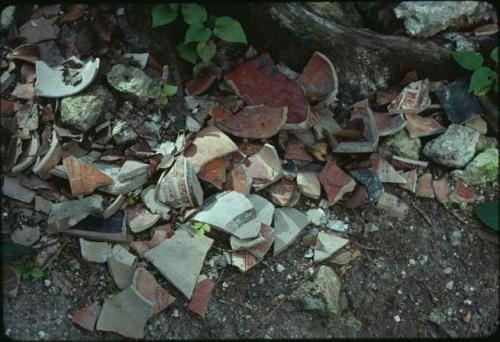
{"points": [[160, 93], [198, 41], [27, 270], [483, 78], [201, 228]]}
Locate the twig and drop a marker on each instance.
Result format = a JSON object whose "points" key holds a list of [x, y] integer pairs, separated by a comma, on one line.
{"points": [[369, 248], [434, 299], [458, 217], [424, 215], [54, 256]]}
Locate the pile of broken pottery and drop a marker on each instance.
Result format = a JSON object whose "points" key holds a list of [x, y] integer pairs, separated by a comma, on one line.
{"points": [[93, 160]]}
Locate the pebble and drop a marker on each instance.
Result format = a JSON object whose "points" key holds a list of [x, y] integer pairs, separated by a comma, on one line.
{"points": [[397, 318], [449, 285], [225, 285], [8, 331], [468, 302], [47, 282], [448, 270], [309, 254], [289, 277], [261, 280], [42, 334], [412, 262], [280, 268], [175, 313]]}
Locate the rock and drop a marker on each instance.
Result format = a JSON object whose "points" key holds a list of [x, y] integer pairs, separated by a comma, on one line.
{"points": [[316, 217], [139, 218], [264, 211], [288, 223], [483, 168], [477, 123], [179, 187], [454, 148], [441, 190], [402, 145], [83, 112], [335, 182], [308, 184], [265, 167], [95, 251], [43, 205], [210, 143], [486, 142], [411, 180], [148, 196], [26, 235], [121, 265], [130, 81], [393, 206], [12, 188], [180, 258], [86, 317], [123, 133], [424, 186], [280, 268], [67, 214], [216, 212], [425, 18], [201, 295], [83, 177], [125, 313], [321, 295], [327, 245]]}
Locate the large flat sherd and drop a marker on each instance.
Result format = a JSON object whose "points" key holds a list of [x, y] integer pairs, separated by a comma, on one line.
{"points": [[335, 182], [308, 184], [264, 211], [125, 313], [288, 223], [95, 251], [121, 265], [201, 295], [227, 211], [180, 258], [145, 283], [265, 167]]}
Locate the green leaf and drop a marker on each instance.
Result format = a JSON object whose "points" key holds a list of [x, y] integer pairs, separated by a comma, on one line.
{"points": [[163, 14], [206, 50], [153, 91], [169, 90], [494, 55], [36, 272], [482, 80], [488, 214], [197, 225], [197, 33], [468, 60], [188, 52], [194, 13], [230, 30]]}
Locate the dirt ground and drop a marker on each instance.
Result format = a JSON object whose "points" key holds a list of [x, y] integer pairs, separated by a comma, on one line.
{"points": [[381, 284], [399, 282]]}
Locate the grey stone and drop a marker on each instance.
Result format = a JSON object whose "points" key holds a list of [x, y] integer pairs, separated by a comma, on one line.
{"points": [[393, 206], [84, 111], [123, 133], [67, 214], [486, 142], [227, 211], [122, 266], [327, 245], [337, 225], [483, 168], [316, 217], [454, 148], [125, 313], [43, 205], [129, 81], [321, 295], [192, 125], [288, 223], [402, 145], [26, 235], [264, 211], [95, 251], [180, 259], [425, 18]]}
